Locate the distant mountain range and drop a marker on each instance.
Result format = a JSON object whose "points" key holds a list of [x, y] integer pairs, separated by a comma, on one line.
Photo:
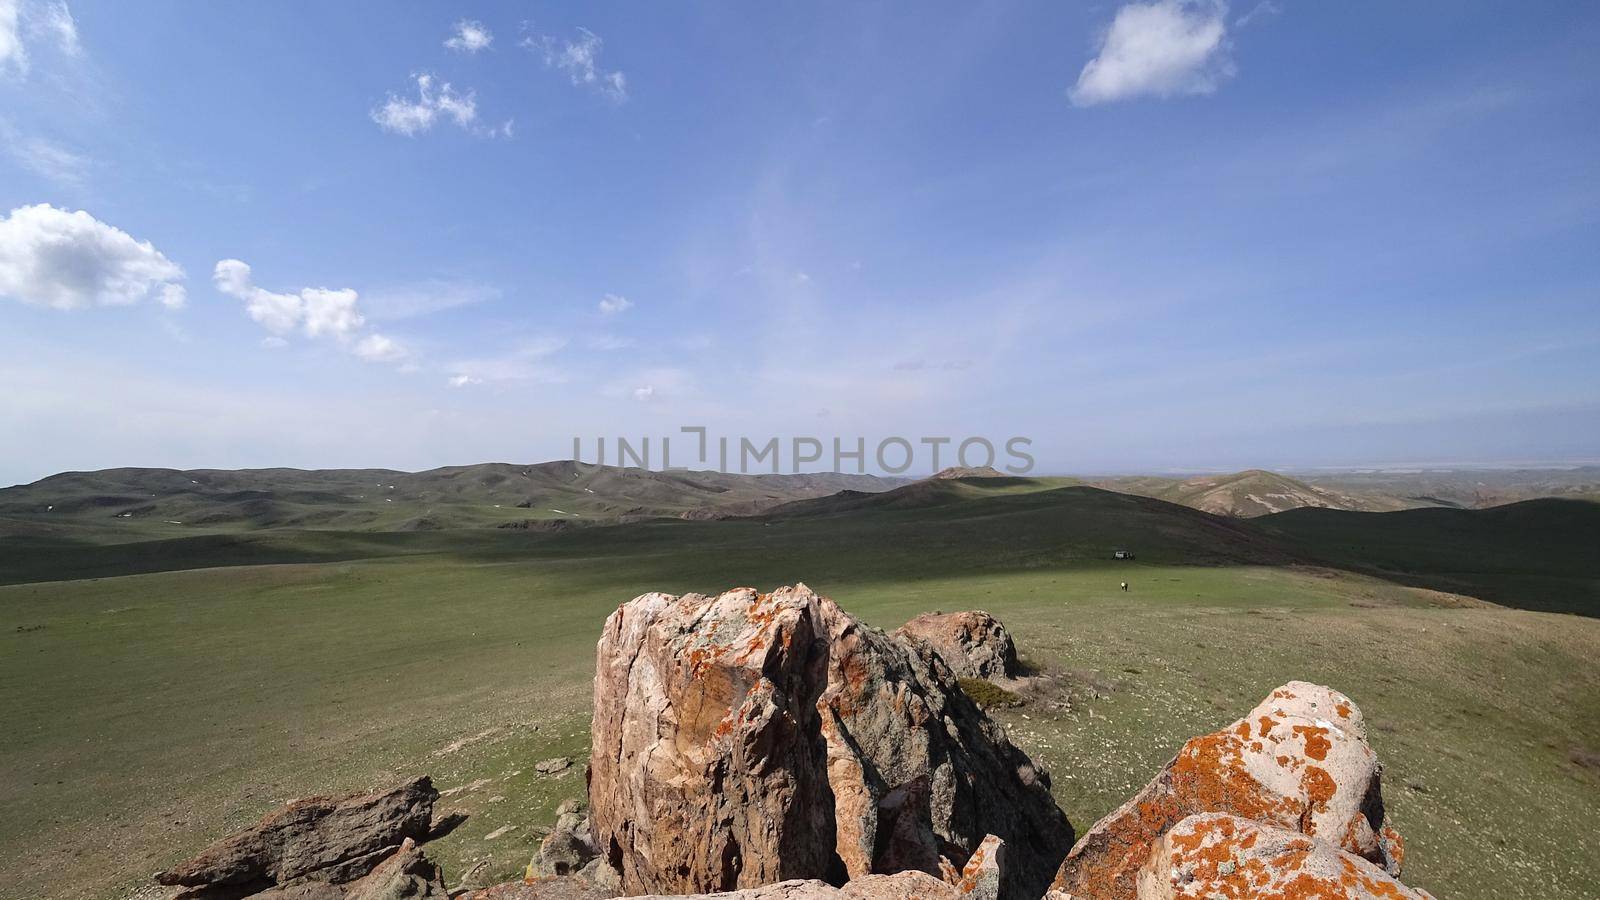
{"points": [[555, 495]]}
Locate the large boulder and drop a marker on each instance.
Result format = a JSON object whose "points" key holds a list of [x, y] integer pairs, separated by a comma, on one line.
{"points": [[749, 739], [972, 643], [319, 839], [1298, 761], [1218, 855]]}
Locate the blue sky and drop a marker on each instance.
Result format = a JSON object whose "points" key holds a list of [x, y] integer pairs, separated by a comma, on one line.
{"points": [[1164, 236]]}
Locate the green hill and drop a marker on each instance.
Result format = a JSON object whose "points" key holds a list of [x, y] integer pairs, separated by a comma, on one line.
{"points": [[167, 501]]}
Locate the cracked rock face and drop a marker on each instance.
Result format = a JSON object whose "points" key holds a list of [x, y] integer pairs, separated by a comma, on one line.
{"points": [[750, 739], [973, 644], [1298, 761], [1218, 855]]}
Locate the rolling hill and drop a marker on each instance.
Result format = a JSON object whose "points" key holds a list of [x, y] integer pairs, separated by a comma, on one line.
{"points": [[1253, 492], [168, 501], [1535, 554]]}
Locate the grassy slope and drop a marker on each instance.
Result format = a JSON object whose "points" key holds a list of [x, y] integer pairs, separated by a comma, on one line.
{"points": [[150, 713], [1536, 554]]}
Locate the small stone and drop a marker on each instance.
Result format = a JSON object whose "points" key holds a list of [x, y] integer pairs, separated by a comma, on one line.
{"points": [[552, 766]]}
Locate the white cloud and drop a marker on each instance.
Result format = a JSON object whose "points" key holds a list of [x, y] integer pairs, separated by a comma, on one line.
{"points": [[580, 60], [644, 394], [412, 117], [457, 381], [314, 312], [1164, 48], [331, 312], [614, 305], [470, 37], [273, 342], [68, 260], [380, 348], [278, 313]]}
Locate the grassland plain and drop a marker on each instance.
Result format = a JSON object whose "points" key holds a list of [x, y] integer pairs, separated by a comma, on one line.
{"points": [[149, 713]]}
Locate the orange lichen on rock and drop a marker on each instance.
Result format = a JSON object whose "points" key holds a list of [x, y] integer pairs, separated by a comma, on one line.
{"points": [[746, 738], [1284, 764], [1316, 740], [1214, 855]]}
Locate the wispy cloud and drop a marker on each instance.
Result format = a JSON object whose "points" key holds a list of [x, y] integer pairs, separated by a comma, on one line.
{"points": [[53, 21], [425, 297], [579, 58], [469, 36], [69, 260], [13, 55], [1161, 49], [379, 348], [653, 385], [47, 159], [411, 117], [27, 21], [1266, 9], [524, 362], [608, 341]]}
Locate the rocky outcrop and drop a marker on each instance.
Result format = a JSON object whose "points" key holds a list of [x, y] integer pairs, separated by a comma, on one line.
{"points": [[750, 739], [407, 873], [1218, 855], [1299, 761], [973, 644], [311, 843]]}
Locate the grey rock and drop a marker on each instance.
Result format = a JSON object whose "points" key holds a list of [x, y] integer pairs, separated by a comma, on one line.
{"points": [[335, 840]]}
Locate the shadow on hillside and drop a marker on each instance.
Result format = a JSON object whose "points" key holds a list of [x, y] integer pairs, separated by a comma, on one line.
{"points": [[1533, 555]]}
